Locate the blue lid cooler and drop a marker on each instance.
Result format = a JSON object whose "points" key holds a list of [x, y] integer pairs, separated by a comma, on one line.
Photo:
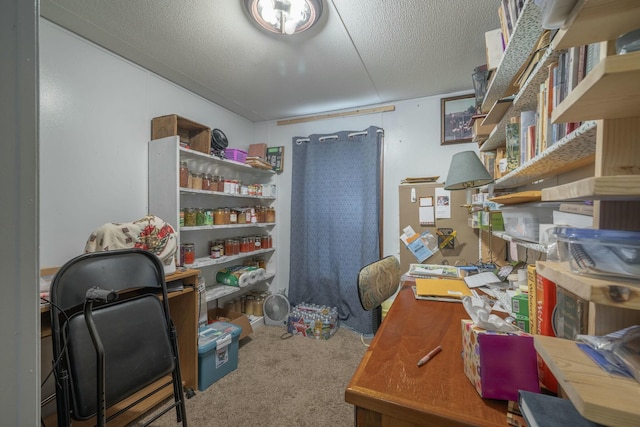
{"points": [[217, 352]]}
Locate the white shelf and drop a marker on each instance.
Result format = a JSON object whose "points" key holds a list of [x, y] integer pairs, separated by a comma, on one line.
{"points": [[226, 226], [191, 191], [219, 291], [206, 261], [524, 243], [214, 163]]}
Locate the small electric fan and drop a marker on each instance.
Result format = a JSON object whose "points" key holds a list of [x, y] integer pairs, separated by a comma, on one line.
{"points": [[276, 310]]}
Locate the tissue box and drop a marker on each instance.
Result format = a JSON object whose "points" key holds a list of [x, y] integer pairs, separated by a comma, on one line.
{"points": [[499, 364]]}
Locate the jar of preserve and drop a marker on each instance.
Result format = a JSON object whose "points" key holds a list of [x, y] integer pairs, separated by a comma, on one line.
{"points": [[227, 216], [218, 216], [236, 246], [243, 304], [258, 306], [196, 181], [189, 253], [184, 175], [208, 217], [228, 247], [270, 215], [242, 217], [206, 181], [233, 216], [262, 263], [213, 184], [189, 217], [237, 305], [181, 220], [249, 305], [200, 217], [221, 184], [257, 243]]}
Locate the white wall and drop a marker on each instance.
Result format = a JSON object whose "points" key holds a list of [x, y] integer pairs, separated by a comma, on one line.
{"points": [[96, 111], [95, 122]]}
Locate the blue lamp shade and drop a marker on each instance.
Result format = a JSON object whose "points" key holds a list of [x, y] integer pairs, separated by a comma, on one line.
{"points": [[466, 171]]}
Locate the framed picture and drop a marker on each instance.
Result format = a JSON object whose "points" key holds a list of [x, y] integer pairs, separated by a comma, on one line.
{"points": [[456, 113]]}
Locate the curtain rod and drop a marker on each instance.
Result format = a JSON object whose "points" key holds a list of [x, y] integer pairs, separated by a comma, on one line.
{"points": [[336, 115], [324, 138]]}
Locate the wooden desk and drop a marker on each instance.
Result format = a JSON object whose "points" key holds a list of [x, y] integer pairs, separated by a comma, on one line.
{"points": [[183, 306], [388, 388]]}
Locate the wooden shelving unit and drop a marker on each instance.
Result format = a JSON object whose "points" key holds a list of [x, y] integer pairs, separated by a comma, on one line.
{"points": [[597, 395], [607, 101], [596, 20], [607, 92]]}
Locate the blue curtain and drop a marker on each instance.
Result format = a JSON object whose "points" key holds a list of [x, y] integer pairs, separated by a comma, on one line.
{"points": [[335, 220]]}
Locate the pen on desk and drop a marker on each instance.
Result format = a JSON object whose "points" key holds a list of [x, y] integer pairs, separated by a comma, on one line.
{"points": [[429, 356]]}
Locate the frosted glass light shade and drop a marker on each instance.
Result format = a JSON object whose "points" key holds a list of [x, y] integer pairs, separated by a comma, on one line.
{"points": [[466, 171], [284, 16]]}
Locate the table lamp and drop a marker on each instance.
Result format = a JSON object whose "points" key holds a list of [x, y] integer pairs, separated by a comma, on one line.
{"points": [[466, 172]]}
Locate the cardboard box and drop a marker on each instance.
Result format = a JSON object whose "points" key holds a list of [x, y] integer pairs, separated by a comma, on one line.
{"points": [[197, 136], [523, 323], [258, 150], [520, 304], [499, 364], [236, 318]]}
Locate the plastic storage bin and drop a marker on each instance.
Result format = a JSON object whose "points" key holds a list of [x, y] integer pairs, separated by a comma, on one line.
{"points": [[235, 154], [217, 352], [600, 252], [523, 221]]}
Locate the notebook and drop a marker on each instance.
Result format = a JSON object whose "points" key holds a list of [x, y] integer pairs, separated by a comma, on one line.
{"points": [[446, 288]]}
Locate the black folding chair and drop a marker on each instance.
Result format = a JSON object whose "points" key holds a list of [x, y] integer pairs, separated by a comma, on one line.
{"points": [[112, 335]]}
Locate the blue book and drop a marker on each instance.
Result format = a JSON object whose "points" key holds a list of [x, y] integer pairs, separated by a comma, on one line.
{"points": [[543, 410]]}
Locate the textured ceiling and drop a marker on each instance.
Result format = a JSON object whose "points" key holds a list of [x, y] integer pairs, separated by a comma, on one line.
{"points": [[363, 52]]}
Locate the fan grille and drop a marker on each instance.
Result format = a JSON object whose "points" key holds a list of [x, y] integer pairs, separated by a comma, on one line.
{"points": [[276, 308]]}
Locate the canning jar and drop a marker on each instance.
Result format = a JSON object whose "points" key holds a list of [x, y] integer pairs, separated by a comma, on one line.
{"points": [[206, 181], [181, 220], [208, 217], [221, 184], [199, 217], [233, 216], [184, 175], [258, 306], [227, 216], [270, 215], [196, 181], [218, 216], [249, 305], [189, 217], [189, 253]]}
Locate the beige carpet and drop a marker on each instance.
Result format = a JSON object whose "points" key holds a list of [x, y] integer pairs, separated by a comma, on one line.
{"points": [[281, 382]]}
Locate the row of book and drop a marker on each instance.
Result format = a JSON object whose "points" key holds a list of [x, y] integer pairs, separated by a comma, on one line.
{"points": [[532, 132], [509, 12]]}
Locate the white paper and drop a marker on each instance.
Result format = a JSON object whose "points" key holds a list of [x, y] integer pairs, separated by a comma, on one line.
{"points": [[426, 215], [443, 203]]}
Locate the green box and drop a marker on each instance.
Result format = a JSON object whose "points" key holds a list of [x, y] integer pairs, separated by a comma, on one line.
{"points": [[520, 305], [522, 322], [492, 217]]}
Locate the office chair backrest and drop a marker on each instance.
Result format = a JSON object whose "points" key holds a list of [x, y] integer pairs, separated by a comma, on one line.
{"points": [[378, 281]]}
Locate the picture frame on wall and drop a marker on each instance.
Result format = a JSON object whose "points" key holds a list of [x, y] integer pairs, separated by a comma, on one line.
{"points": [[455, 119]]}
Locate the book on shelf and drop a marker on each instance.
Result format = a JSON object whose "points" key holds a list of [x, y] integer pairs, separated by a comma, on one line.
{"points": [[571, 314], [494, 44], [532, 286], [543, 410], [527, 119], [512, 143], [545, 306]]}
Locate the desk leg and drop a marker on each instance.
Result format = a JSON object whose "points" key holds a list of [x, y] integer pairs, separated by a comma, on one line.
{"points": [[367, 418]]}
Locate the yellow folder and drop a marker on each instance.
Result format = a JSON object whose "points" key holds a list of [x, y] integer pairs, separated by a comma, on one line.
{"points": [[448, 288]]}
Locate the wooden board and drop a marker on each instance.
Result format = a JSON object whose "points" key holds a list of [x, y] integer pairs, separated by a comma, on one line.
{"points": [[521, 197], [597, 395]]}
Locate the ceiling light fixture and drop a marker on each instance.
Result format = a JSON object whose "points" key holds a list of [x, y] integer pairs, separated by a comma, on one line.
{"points": [[285, 16]]}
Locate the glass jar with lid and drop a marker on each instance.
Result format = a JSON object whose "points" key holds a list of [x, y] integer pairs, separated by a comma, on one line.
{"points": [[196, 181], [206, 181], [189, 251], [184, 175], [258, 309], [189, 217], [218, 216], [270, 215], [200, 217], [227, 215]]}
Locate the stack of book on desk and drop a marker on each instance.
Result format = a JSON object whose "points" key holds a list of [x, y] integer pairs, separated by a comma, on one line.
{"points": [[439, 282]]}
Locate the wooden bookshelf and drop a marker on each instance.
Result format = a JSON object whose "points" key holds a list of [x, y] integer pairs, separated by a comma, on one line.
{"points": [[595, 20], [600, 397], [596, 290], [607, 92], [618, 187]]}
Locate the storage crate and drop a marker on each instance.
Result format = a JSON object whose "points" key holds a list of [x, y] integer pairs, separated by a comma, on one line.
{"points": [[217, 352], [197, 136], [235, 154], [523, 221]]}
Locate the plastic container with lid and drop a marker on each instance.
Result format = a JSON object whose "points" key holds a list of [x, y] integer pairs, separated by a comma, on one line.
{"points": [[600, 252], [523, 221], [217, 352]]}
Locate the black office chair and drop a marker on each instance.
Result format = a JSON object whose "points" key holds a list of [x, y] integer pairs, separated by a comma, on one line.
{"points": [[377, 282], [112, 307]]}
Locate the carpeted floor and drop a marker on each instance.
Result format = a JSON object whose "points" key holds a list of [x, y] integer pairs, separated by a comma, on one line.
{"points": [[281, 382]]}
